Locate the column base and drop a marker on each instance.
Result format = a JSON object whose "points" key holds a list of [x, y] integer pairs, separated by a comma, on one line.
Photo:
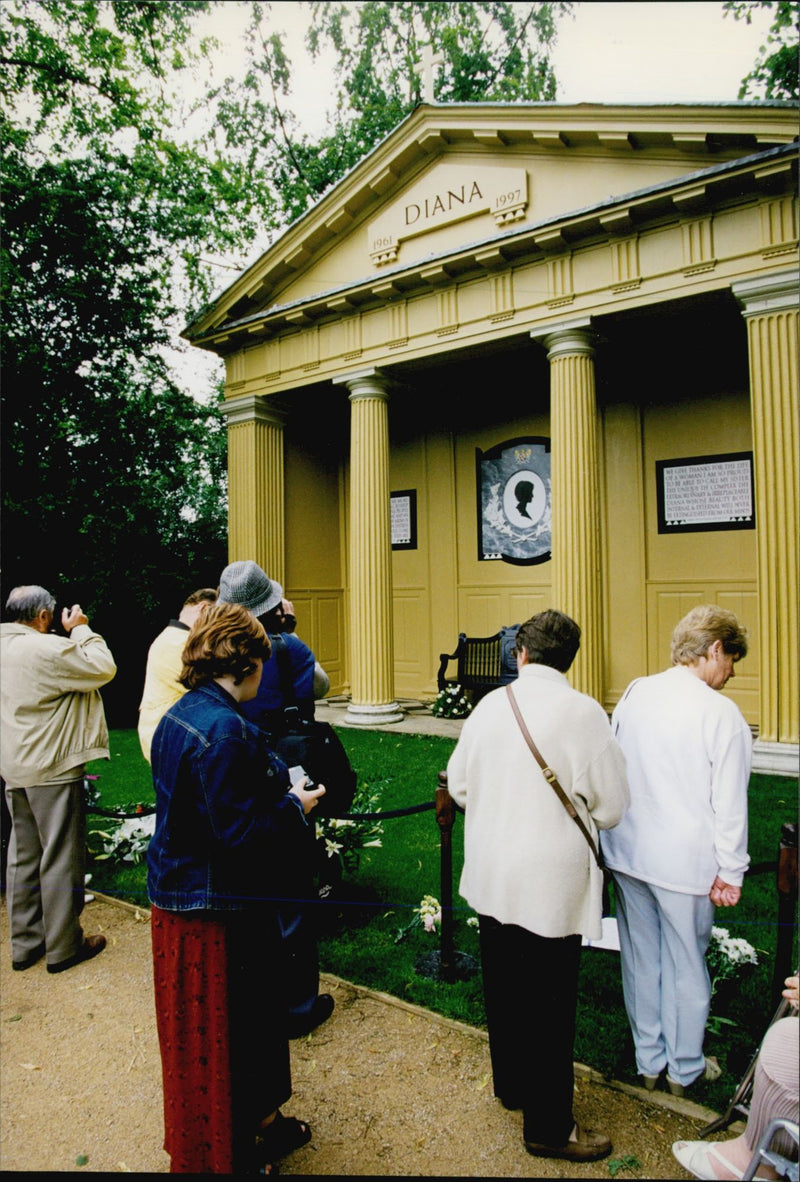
{"points": [[362, 715], [776, 759]]}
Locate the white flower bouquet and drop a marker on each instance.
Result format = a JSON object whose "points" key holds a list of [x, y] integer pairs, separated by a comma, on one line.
{"points": [[345, 839], [451, 702], [428, 915], [127, 843], [727, 957]]}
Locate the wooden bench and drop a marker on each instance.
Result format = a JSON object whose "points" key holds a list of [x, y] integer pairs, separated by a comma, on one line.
{"points": [[482, 663]]}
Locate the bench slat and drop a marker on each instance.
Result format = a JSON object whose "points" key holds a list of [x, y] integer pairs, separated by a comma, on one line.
{"points": [[479, 662]]}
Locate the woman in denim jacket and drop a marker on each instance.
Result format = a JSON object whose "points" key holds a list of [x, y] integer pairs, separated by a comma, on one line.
{"points": [[227, 833]]}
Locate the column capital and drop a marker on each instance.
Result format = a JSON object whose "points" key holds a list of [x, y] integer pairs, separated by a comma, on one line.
{"points": [[768, 293], [252, 408], [366, 383], [571, 338]]}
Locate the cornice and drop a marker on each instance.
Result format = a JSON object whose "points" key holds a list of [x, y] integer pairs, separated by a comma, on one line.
{"points": [[433, 129], [697, 193]]}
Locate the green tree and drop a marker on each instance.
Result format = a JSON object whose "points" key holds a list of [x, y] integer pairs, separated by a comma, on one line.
{"points": [[775, 73], [126, 174], [493, 51], [113, 473]]}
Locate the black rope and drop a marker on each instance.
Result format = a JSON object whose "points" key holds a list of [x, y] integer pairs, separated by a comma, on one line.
{"points": [[144, 812], [760, 868], [388, 815]]}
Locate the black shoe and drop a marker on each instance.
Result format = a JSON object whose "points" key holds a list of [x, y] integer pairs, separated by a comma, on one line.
{"points": [[90, 948], [32, 958], [320, 1012], [277, 1140]]}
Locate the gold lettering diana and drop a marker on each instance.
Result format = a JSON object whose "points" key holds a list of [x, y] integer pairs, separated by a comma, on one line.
{"points": [[443, 203]]}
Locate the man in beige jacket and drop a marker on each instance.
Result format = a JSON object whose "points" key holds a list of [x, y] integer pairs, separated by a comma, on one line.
{"points": [[53, 723]]}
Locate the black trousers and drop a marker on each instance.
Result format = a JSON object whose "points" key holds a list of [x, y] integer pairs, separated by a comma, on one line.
{"points": [[298, 921], [530, 986]]}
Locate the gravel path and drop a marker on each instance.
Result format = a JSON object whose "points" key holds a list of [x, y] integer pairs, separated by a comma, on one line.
{"points": [[389, 1089]]}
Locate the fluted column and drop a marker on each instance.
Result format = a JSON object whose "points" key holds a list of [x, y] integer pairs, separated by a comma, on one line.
{"points": [[769, 305], [371, 623], [256, 522], [575, 497]]}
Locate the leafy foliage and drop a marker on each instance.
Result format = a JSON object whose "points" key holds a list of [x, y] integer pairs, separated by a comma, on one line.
{"points": [[114, 486], [492, 52], [628, 1162], [775, 73], [128, 174]]}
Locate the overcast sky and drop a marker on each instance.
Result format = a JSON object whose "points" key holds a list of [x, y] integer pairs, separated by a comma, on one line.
{"points": [[649, 52], [626, 51]]}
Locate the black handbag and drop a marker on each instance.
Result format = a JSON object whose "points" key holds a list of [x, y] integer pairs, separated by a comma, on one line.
{"points": [[312, 745]]}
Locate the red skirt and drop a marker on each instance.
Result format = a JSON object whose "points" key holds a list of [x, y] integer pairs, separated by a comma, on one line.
{"points": [[221, 1018]]}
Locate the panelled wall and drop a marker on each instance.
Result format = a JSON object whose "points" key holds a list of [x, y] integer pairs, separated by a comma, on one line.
{"points": [[316, 530], [683, 570], [441, 588], [650, 580]]}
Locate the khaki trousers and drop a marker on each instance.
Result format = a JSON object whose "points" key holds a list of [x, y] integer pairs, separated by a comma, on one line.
{"points": [[46, 869]]}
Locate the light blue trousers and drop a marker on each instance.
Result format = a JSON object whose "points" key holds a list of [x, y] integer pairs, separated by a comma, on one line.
{"points": [[663, 937]]}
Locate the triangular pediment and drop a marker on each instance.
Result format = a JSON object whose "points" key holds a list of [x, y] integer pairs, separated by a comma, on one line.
{"points": [[458, 178]]}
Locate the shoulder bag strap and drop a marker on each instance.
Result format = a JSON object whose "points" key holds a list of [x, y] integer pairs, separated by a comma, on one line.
{"points": [[284, 660], [551, 777]]}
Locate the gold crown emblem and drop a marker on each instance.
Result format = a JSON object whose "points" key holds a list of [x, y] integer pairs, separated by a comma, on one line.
{"points": [[522, 454]]}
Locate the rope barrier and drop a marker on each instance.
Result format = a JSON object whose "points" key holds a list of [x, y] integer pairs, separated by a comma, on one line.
{"points": [[390, 813], [386, 816], [96, 812], [448, 964]]}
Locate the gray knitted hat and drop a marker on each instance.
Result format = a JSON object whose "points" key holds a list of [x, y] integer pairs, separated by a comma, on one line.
{"points": [[246, 583]]}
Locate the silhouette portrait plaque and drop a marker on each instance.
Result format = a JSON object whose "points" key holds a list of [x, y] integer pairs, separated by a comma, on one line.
{"points": [[513, 485]]}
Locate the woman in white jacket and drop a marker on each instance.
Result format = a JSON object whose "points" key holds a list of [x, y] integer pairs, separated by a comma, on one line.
{"points": [[681, 849], [531, 876]]}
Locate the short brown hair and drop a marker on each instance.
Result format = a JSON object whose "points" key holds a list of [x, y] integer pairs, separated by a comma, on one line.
{"points": [[550, 638], [225, 641], [698, 630], [204, 595]]}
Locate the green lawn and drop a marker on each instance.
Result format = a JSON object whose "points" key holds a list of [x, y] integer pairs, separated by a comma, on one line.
{"points": [[359, 925]]}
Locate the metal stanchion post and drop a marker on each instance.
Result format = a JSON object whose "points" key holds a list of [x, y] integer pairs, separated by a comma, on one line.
{"points": [[446, 964], [445, 816]]}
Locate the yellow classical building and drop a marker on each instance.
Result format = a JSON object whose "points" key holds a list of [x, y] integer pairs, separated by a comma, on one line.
{"points": [[530, 355]]}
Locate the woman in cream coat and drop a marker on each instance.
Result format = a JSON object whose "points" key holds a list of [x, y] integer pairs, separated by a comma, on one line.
{"points": [[531, 876]]}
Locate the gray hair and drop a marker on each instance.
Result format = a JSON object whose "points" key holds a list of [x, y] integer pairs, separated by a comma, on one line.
{"points": [[698, 630], [25, 603]]}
